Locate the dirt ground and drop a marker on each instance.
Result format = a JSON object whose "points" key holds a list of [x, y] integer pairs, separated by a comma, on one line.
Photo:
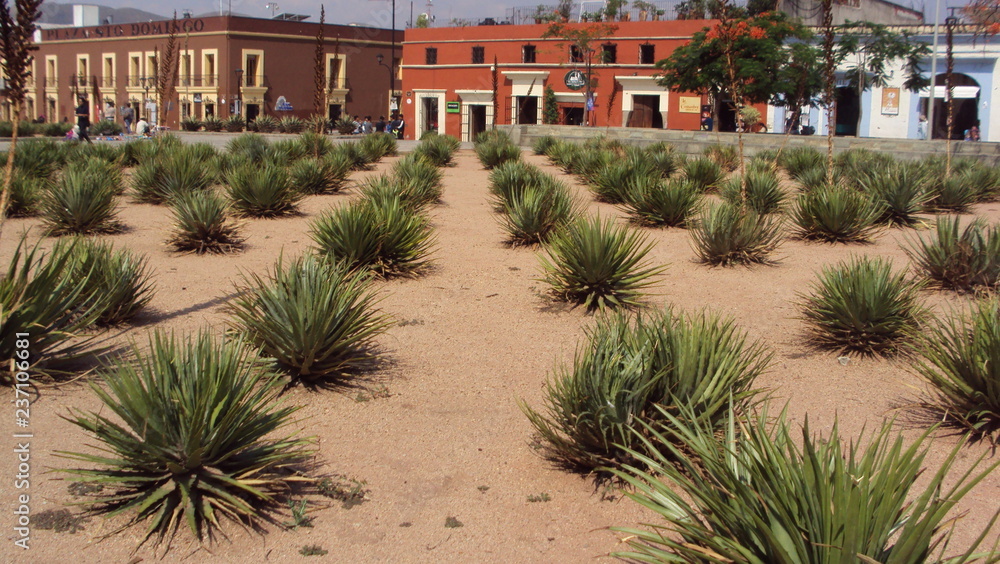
{"points": [[438, 433]]}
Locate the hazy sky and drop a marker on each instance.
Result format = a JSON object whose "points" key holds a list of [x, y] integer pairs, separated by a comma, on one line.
{"points": [[373, 12]]}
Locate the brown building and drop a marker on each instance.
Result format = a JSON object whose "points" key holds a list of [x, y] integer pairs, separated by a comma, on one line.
{"points": [[225, 65]]}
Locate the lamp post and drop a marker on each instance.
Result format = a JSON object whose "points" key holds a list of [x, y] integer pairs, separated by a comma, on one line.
{"points": [[949, 24], [239, 98], [147, 83], [392, 78]]}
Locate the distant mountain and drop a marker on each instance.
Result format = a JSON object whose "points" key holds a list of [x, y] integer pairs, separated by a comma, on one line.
{"points": [[62, 14]]}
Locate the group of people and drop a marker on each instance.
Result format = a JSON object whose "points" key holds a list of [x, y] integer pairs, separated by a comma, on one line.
{"points": [[82, 130], [395, 126]]}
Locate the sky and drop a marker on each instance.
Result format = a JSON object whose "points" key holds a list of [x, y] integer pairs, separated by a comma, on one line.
{"points": [[372, 12]]}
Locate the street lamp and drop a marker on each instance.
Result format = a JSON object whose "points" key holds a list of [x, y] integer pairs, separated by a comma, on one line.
{"points": [[239, 85], [147, 83], [392, 78], [949, 24]]}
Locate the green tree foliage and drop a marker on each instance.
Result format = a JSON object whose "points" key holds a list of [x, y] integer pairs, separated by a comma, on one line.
{"points": [[550, 111]]}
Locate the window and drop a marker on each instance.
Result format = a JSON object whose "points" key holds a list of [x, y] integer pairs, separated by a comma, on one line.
{"points": [[647, 54], [431, 56], [250, 70], [609, 53], [333, 73], [478, 55], [108, 76], [528, 54], [185, 68], [575, 54], [208, 68]]}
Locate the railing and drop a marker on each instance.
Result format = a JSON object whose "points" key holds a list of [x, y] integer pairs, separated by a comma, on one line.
{"points": [[338, 84], [50, 82], [595, 10], [183, 81]]}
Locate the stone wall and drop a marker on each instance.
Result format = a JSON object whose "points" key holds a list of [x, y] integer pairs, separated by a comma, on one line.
{"points": [[694, 142]]}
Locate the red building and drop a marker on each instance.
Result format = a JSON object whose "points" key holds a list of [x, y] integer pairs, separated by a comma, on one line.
{"points": [[448, 77], [225, 65]]}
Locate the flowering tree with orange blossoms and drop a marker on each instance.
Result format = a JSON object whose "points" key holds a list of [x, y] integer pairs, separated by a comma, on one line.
{"points": [[984, 15]]}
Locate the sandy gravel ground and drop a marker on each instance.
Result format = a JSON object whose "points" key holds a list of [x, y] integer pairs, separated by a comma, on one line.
{"points": [[438, 433]]}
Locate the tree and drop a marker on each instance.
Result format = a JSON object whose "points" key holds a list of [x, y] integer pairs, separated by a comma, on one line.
{"points": [[15, 49], [319, 71], [984, 15], [550, 111], [829, 80], [736, 57], [868, 50], [166, 79], [423, 21], [581, 38]]}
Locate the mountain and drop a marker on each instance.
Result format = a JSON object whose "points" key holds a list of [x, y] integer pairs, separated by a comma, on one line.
{"points": [[62, 14]]}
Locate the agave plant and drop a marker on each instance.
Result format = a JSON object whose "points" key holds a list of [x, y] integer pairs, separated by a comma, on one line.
{"points": [[704, 173], [626, 368], [109, 173], [37, 297], [264, 191], [82, 204], [494, 153], [537, 212], [39, 158], [653, 201], [863, 306], [856, 166], [266, 124], [352, 152], [598, 264], [565, 155], [509, 179], [234, 124], [26, 194], [419, 180], [766, 492], [202, 225], [726, 156], [612, 182], [249, 145], [319, 176], [983, 181], [960, 259], [726, 234], [661, 157], [438, 149], [192, 438], [961, 362], [761, 191], [541, 145], [381, 236], [291, 124], [835, 214], [952, 194], [800, 159], [378, 145], [317, 320], [812, 178], [119, 280], [900, 191]]}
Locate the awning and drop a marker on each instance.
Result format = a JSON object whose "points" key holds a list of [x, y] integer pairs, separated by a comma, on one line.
{"points": [[958, 92]]}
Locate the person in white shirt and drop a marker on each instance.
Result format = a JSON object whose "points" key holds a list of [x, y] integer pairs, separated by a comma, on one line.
{"points": [[142, 128]]}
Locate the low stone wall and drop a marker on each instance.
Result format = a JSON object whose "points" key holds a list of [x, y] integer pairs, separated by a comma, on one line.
{"points": [[694, 142]]}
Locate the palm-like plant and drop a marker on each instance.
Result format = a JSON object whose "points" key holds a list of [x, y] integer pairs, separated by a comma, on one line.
{"points": [[813, 178], [960, 259], [727, 234], [509, 179], [37, 297], [378, 145], [626, 368], [800, 159], [953, 194], [382, 236], [704, 173], [598, 264], [899, 190], [316, 319], [438, 149], [961, 362], [762, 191], [835, 214], [26, 194], [611, 183], [726, 156], [264, 191], [202, 225], [494, 153], [653, 201], [420, 181], [82, 204], [119, 280], [250, 145], [191, 439], [760, 493], [319, 176], [314, 144], [537, 212], [541, 145], [862, 306]]}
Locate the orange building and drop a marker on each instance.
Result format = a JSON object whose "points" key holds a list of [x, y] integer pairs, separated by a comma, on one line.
{"points": [[448, 77]]}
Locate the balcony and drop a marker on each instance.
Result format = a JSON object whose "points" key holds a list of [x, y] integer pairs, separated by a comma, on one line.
{"points": [[184, 81]]}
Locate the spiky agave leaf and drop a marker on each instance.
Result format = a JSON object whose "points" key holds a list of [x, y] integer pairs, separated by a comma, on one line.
{"points": [[863, 306], [653, 201], [509, 179], [627, 366], [953, 194], [319, 176], [316, 319], [26, 193], [959, 259], [762, 190], [537, 212], [726, 234], [120, 280], [800, 159], [611, 182], [314, 144], [704, 173], [82, 204], [726, 156], [899, 190], [766, 492], [202, 225], [421, 181], [377, 145], [190, 437], [598, 264], [263, 191], [438, 149], [496, 152], [960, 359], [541, 145], [835, 214]]}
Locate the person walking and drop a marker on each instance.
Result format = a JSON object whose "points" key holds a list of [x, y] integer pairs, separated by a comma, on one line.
{"points": [[128, 116], [366, 126], [922, 127], [83, 120]]}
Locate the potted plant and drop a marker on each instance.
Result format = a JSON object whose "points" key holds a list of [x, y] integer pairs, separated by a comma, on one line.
{"points": [[612, 8], [644, 9], [540, 14], [564, 10]]}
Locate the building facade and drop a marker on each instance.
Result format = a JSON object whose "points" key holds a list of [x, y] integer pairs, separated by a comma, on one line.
{"points": [[225, 65], [448, 76]]}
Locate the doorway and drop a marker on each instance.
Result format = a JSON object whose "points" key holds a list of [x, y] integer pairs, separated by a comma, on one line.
{"points": [[430, 111], [334, 112], [848, 111], [477, 120], [645, 112], [253, 110], [527, 110], [572, 115], [966, 106]]}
